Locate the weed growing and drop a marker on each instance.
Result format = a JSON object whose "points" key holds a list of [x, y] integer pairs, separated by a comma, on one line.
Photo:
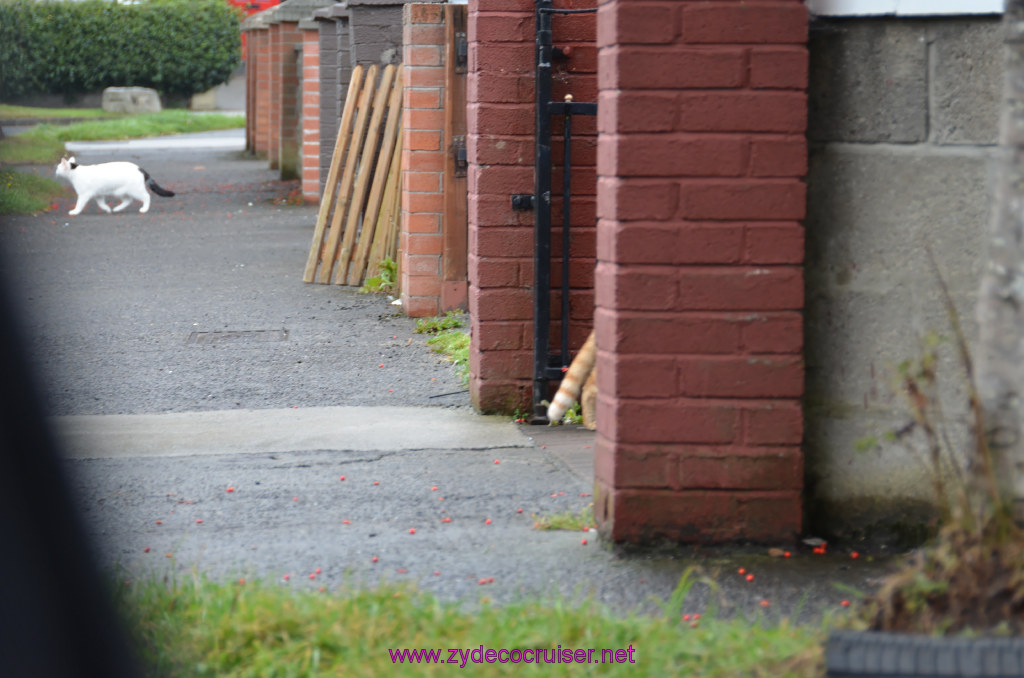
{"points": [[385, 282], [575, 521], [971, 578], [202, 628], [449, 321]]}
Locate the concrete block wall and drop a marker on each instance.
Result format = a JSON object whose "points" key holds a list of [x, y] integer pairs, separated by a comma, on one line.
{"points": [[700, 291], [500, 94], [375, 31], [310, 111], [285, 117], [335, 73], [903, 124]]}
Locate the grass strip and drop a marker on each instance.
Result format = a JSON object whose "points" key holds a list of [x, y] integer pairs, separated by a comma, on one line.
{"points": [[12, 112], [202, 628], [44, 144], [22, 193]]}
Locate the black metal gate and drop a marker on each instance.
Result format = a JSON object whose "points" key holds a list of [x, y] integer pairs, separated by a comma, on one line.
{"points": [[548, 365]]}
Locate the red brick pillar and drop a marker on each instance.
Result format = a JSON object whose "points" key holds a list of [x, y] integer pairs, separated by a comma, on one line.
{"points": [[259, 40], [702, 112], [274, 57], [310, 126], [500, 149], [423, 159]]}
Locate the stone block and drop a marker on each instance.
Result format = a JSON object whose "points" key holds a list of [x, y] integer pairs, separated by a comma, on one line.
{"points": [[131, 100], [869, 81], [967, 75]]}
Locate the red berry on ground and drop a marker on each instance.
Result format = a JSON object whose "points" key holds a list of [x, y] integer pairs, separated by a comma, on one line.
{"points": [[765, 603], [318, 570], [230, 489], [145, 550], [583, 541], [845, 603], [519, 510], [750, 577], [341, 478], [412, 530], [854, 555], [742, 570], [487, 522], [374, 559]]}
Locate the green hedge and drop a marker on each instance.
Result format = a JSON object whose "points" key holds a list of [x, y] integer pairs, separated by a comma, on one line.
{"points": [[178, 47]]}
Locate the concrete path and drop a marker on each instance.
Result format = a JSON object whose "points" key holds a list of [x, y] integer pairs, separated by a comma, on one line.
{"points": [[360, 429]]}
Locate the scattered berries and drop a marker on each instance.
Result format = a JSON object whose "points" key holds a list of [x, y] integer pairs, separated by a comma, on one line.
{"points": [[519, 510], [446, 520], [845, 603], [497, 461], [145, 550], [487, 522], [855, 555], [742, 570], [374, 559], [412, 530], [342, 478], [750, 577], [199, 521], [583, 541], [287, 577], [376, 482], [230, 489], [346, 522], [318, 570], [765, 603]]}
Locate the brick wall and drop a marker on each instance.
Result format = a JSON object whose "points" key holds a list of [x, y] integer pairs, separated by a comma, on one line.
{"points": [[310, 126], [702, 113], [260, 42], [500, 151]]}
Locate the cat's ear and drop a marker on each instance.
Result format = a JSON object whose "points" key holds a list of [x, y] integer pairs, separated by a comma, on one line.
{"points": [[71, 162]]}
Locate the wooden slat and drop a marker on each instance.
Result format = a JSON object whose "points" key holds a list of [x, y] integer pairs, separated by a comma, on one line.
{"points": [[373, 203], [390, 212], [355, 207], [455, 231], [331, 185], [330, 255]]}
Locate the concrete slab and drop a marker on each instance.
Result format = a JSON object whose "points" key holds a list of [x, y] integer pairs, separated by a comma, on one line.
{"points": [[184, 434]]}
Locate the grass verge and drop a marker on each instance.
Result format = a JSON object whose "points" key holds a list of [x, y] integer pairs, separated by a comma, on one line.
{"points": [[22, 193], [448, 340], [44, 144], [11, 112], [202, 628]]}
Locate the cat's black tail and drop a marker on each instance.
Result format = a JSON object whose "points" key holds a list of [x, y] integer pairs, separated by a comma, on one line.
{"points": [[155, 187]]}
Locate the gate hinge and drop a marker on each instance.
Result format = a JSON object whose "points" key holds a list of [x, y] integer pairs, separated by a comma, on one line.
{"points": [[461, 51], [458, 150], [522, 201]]}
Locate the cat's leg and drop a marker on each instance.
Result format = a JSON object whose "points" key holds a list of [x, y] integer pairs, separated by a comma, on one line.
{"points": [[102, 202], [125, 201], [83, 198], [139, 192]]}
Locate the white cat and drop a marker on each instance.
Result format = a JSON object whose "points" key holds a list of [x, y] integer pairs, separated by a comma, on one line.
{"points": [[123, 180]]}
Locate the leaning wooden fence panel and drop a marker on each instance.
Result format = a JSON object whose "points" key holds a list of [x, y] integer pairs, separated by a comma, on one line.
{"points": [[345, 239]]}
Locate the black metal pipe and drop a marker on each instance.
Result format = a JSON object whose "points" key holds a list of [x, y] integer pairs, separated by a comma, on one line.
{"points": [[566, 209], [542, 212]]}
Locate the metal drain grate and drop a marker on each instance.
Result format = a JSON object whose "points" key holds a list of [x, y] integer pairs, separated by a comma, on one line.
{"points": [[236, 337]]}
